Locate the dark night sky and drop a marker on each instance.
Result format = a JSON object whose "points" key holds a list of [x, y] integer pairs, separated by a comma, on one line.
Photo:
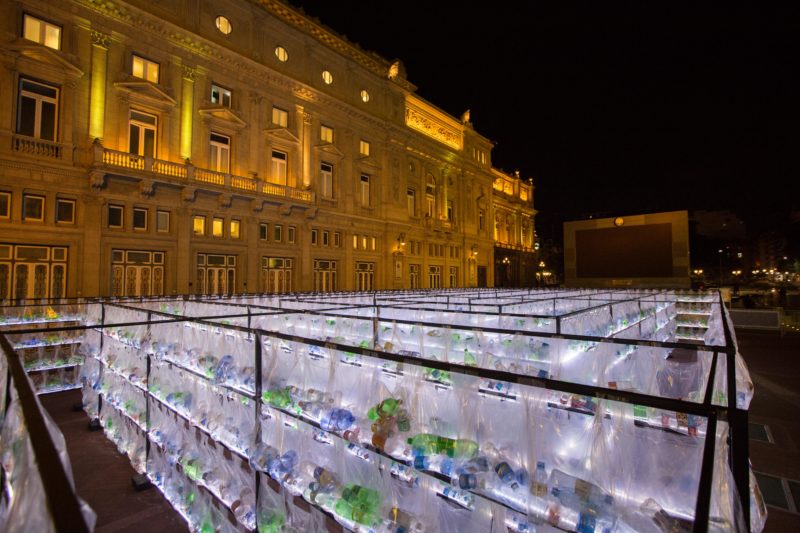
{"points": [[612, 108]]}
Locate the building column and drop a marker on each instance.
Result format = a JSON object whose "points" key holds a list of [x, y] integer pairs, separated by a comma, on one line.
{"points": [[187, 110], [253, 254], [304, 129], [184, 274], [92, 260], [97, 96]]}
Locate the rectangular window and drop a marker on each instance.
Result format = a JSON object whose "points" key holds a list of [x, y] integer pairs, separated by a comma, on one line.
{"points": [[5, 204], [365, 276], [139, 218], [325, 238], [365, 190], [324, 275], [278, 171], [162, 221], [326, 180], [116, 216], [290, 234], [276, 274], [33, 208], [220, 95], [314, 234], [480, 219], [355, 242], [65, 211], [277, 233], [235, 228], [363, 242], [41, 32], [220, 153], [363, 147], [142, 133], [337, 239], [217, 227], [372, 243], [411, 202], [216, 274], [434, 277], [280, 117], [413, 276], [145, 69], [37, 113], [453, 277], [263, 231], [326, 134], [450, 212], [199, 225]]}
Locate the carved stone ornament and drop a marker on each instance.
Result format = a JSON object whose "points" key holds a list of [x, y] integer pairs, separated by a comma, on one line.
{"points": [[101, 39], [256, 205], [97, 179], [146, 188], [188, 194], [188, 72], [225, 200], [311, 213]]}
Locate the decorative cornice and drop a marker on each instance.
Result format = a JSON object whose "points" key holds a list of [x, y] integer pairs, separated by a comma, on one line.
{"points": [[427, 120], [294, 18]]}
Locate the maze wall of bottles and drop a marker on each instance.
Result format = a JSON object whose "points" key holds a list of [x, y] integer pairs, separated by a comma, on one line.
{"points": [[469, 410]]}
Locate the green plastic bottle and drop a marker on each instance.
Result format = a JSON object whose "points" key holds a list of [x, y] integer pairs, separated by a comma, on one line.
{"points": [[384, 409], [425, 443], [359, 504]]}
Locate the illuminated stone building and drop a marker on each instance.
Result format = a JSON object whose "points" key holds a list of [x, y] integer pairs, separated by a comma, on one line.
{"points": [[189, 146], [515, 257]]}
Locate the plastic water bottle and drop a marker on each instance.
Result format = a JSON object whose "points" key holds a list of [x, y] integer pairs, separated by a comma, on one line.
{"points": [[224, 370], [281, 467], [336, 419], [263, 455], [539, 485]]}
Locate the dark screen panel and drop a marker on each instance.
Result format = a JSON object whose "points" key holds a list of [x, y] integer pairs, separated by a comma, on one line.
{"points": [[627, 252]]}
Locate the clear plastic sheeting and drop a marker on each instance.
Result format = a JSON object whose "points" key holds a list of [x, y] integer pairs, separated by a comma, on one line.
{"points": [[389, 411], [24, 501]]}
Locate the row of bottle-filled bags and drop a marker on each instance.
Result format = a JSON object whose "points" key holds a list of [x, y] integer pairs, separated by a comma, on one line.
{"points": [[359, 487], [424, 420], [228, 356], [203, 459], [435, 422]]}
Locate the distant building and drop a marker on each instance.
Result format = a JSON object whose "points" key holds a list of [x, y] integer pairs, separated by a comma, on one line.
{"points": [[650, 250], [236, 147]]}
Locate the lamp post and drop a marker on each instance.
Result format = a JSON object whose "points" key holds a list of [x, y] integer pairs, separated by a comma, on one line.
{"points": [[720, 268]]}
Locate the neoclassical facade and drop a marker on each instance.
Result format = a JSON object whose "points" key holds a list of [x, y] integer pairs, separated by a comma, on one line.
{"points": [[189, 146]]}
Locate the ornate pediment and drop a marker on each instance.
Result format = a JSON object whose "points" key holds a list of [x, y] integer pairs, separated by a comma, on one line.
{"points": [[368, 161], [146, 93], [224, 116], [328, 148], [34, 57], [282, 134]]}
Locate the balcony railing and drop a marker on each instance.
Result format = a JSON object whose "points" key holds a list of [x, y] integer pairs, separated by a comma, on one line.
{"points": [[190, 173], [37, 147]]}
